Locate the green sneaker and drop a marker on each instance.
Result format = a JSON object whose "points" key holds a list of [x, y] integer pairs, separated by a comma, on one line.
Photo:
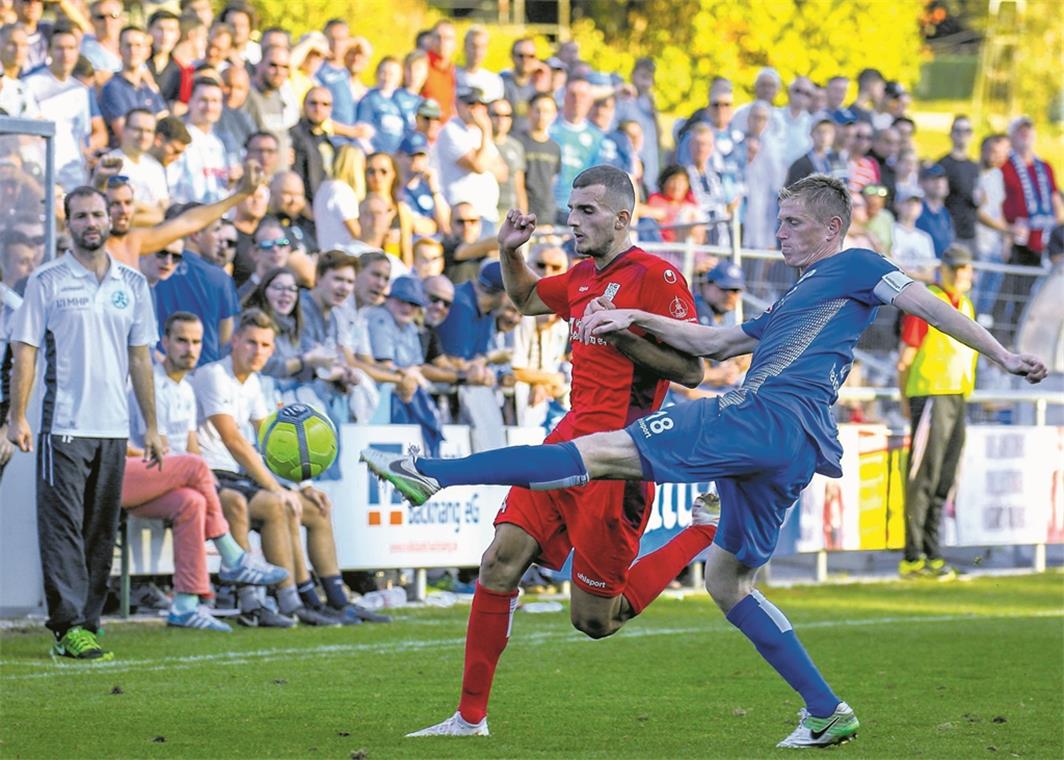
{"points": [[837, 728], [914, 569], [80, 644], [401, 471], [940, 571]]}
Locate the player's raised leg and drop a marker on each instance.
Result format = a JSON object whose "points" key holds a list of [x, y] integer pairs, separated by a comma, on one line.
{"points": [[825, 719], [601, 456], [490, 620]]}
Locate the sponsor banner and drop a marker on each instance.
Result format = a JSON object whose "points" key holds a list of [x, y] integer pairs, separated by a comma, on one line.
{"points": [[1010, 488]]}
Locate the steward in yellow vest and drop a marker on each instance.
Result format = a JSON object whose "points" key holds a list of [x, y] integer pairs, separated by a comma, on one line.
{"points": [[935, 374]]}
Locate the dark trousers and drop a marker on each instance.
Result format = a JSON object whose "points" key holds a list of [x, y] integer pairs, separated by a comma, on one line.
{"points": [[1012, 297], [79, 493], [937, 442]]}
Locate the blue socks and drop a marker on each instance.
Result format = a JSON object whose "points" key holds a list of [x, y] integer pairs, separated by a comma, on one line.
{"points": [[541, 468], [335, 595], [771, 633]]}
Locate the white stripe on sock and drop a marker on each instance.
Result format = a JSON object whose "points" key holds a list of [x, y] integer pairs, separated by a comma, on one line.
{"points": [[772, 611]]}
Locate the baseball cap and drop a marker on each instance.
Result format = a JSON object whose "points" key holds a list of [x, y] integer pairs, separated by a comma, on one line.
{"points": [[414, 143], [957, 256], [894, 90], [430, 109], [909, 193], [490, 277], [728, 276], [844, 116], [554, 62], [934, 171], [408, 290], [471, 95]]}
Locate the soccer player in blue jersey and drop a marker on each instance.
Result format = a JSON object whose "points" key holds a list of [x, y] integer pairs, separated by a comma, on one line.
{"points": [[761, 442]]}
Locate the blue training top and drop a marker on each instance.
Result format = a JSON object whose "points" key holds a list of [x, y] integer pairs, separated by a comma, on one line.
{"points": [[807, 339]]}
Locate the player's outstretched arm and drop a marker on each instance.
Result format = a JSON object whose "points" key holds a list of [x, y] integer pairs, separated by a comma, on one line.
{"points": [[716, 343], [520, 281], [917, 300]]}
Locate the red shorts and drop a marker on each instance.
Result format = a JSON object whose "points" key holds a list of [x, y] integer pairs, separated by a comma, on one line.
{"points": [[602, 522]]}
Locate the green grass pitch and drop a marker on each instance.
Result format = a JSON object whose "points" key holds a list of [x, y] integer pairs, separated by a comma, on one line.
{"points": [[958, 670]]}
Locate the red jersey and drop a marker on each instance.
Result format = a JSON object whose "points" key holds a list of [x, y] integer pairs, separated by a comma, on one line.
{"points": [[1015, 205], [608, 390]]}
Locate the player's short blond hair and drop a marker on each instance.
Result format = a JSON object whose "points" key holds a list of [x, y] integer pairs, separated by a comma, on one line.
{"points": [[822, 196]]}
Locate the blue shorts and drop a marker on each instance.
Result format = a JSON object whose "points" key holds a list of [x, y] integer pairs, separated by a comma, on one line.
{"points": [[760, 460]]}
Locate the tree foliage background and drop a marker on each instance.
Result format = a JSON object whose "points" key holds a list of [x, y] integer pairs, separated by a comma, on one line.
{"points": [[696, 40]]}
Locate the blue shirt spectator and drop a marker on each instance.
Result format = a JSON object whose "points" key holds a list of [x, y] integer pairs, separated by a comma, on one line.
{"points": [[208, 292], [338, 81], [467, 331], [383, 113], [119, 96], [935, 218], [393, 335]]}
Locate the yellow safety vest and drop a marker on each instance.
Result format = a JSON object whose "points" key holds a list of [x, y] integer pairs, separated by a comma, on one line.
{"points": [[943, 366]]}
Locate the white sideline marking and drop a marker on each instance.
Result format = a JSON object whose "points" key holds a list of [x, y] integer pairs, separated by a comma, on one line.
{"points": [[187, 662]]}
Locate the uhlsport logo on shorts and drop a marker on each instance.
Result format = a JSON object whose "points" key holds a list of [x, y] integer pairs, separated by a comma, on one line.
{"points": [[120, 299], [590, 581]]}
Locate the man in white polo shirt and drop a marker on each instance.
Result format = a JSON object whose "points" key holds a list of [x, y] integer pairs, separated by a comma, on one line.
{"points": [[93, 316], [184, 493], [231, 406]]}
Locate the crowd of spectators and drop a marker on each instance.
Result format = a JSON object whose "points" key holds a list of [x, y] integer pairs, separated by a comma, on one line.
{"points": [[342, 208]]}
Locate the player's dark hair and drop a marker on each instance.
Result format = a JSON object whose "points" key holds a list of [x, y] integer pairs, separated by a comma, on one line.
{"points": [[82, 191], [867, 76], [133, 111], [905, 120], [179, 316], [257, 135], [204, 82], [542, 96], [162, 15], [250, 318], [620, 194], [369, 258], [822, 196]]}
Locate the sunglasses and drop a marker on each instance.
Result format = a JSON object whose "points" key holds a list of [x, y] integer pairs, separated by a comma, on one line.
{"points": [[117, 180], [524, 55], [227, 243], [497, 115], [877, 190], [721, 104], [466, 221], [549, 267], [319, 102], [163, 255], [440, 301], [105, 16], [807, 93], [382, 170], [267, 245]]}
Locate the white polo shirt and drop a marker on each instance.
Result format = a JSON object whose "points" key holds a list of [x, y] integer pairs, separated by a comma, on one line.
{"points": [[219, 392], [147, 178], [68, 104], [175, 412], [461, 185], [86, 329]]}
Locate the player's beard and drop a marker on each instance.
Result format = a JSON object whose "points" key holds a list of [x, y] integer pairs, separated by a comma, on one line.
{"points": [[85, 245]]}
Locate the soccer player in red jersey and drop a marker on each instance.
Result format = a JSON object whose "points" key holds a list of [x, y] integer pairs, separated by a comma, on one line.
{"points": [[615, 381]]}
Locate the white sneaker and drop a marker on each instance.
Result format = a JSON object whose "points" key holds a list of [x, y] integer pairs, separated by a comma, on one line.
{"points": [[838, 728], [456, 725], [705, 509]]}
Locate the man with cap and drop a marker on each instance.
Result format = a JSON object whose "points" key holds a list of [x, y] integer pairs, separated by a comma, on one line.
{"points": [[719, 294], [912, 249], [934, 218], [394, 336], [469, 157], [936, 374], [421, 188], [466, 332]]}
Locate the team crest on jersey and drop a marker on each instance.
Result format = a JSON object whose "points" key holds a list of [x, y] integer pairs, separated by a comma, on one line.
{"points": [[611, 290], [670, 276], [120, 300], [678, 308]]}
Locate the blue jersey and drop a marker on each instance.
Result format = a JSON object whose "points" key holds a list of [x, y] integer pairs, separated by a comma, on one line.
{"points": [[338, 82], [408, 103], [580, 148], [807, 339], [205, 290], [384, 114]]}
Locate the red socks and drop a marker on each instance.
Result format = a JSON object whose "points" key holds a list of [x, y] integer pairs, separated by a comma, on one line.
{"points": [[489, 630], [651, 574]]}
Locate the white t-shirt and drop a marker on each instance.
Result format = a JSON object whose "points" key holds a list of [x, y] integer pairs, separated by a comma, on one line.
{"points": [[913, 250], [460, 185], [85, 329], [175, 412], [488, 82], [201, 174], [67, 104], [219, 392], [16, 101], [334, 202], [991, 187], [147, 178]]}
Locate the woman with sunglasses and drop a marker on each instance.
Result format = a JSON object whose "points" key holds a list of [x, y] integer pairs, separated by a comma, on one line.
{"points": [[382, 178], [277, 294]]}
